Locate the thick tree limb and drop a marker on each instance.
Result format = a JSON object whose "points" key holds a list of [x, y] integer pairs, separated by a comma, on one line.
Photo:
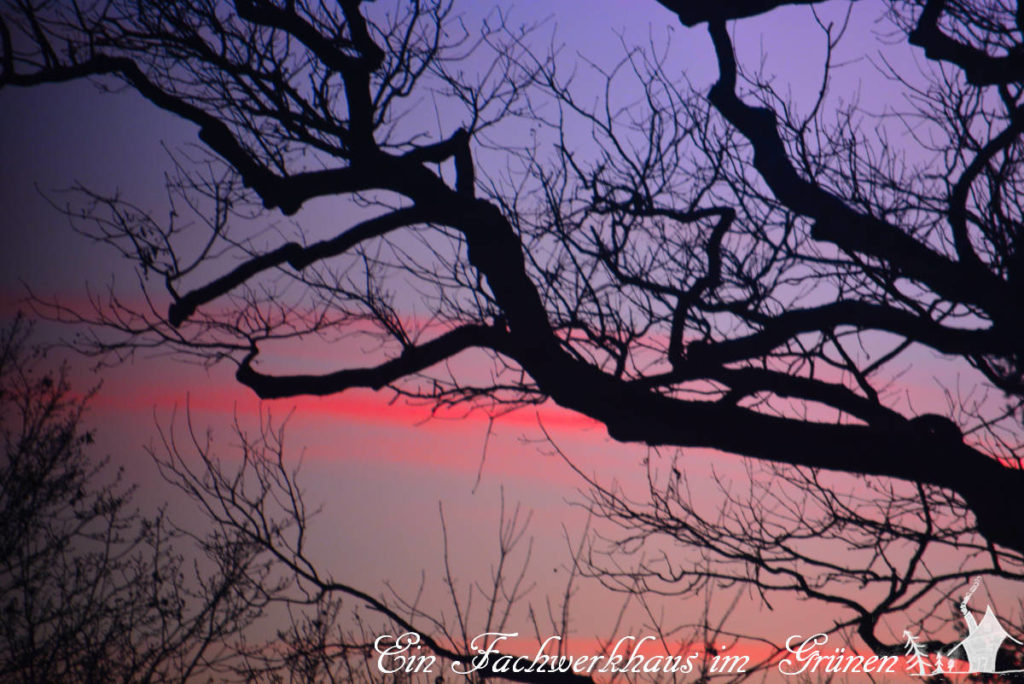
{"points": [[834, 221], [962, 188], [293, 254], [693, 12], [287, 193], [786, 326], [746, 381], [978, 66], [412, 360], [324, 48]]}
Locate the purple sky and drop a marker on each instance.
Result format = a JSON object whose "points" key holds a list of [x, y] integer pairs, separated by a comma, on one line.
{"points": [[381, 488]]}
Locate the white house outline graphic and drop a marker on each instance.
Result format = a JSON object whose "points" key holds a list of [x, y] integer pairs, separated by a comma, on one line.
{"points": [[983, 641]]}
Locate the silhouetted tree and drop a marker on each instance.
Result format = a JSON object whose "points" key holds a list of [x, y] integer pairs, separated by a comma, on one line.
{"points": [[709, 268], [253, 492], [92, 590], [882, 556]]}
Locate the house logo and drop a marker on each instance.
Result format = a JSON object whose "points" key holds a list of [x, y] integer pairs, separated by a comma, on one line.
{"points": [[983, 641], [980, 646]]}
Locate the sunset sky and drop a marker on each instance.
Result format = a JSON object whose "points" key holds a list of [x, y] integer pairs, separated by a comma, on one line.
{"points": [[380, 468]]}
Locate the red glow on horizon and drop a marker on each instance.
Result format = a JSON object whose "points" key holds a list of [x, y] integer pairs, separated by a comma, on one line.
{"points": [[362, 406]]}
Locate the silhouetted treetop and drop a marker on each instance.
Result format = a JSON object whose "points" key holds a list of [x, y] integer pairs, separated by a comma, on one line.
{"points": [[716, 267]]}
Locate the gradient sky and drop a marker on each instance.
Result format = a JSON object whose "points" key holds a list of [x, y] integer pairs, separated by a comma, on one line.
{"points": [[380, 470]]}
